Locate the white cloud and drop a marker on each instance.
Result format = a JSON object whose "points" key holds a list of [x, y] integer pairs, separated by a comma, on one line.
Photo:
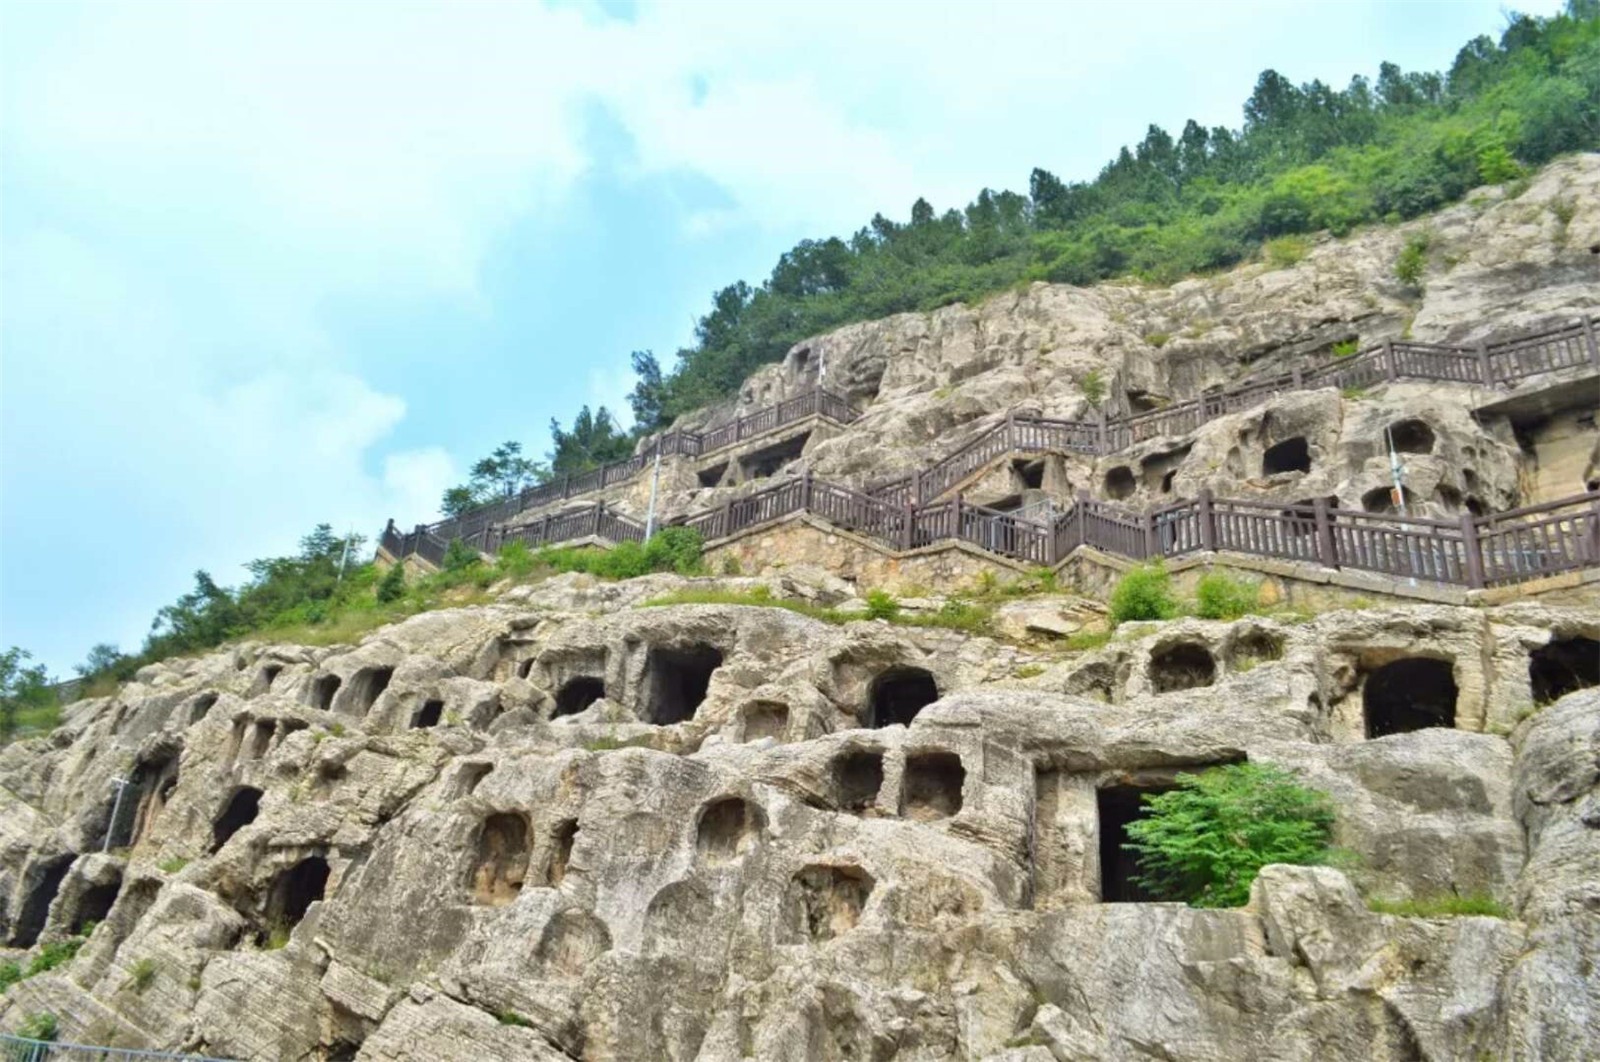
{"points": [[415, 480]]}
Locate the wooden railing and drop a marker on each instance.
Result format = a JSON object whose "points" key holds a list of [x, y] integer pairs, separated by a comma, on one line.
{"points": [[813, 403], [1473, 551], [1493, 365]]}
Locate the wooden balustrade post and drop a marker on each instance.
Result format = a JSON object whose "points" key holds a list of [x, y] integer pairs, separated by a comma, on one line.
{"points": [[908, 520], [805, 491], [1102, 445], [566, 486], [1485, 370], [1390, 370], [1472, 551], [1594, 346], [1152, 543], [955, 513], [595, 515], [727, 518], [1207, 517], [1327, 548]]}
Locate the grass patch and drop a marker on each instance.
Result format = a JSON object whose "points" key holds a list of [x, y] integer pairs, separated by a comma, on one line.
{"points": [[1143, 593], [56, 953], [1352, 394], [1285, 251], [1220, 596], [1446, 906], [511, 1017], [277, 938], [142, 974], [173, 865], [1345, 348], [1082, 641], [1158, 339], [1028, 671]]}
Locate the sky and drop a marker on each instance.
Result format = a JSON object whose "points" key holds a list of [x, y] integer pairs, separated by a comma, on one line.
{"points": [[269, 265]]}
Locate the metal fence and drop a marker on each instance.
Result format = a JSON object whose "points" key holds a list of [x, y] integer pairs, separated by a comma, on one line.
{"points": [[21, 1049]]}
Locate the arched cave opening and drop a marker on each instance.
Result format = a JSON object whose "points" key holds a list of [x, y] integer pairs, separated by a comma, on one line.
{"points": [[898, 694], [677, 681], [502, 859], [428, 715], [1380, 500], [93, 904], [766, 719], [857, 778], [1291, 455], [1119, 483], [39, 894], [728, 828], [241, 811], [294, 891], [577, 694], [1182, 666], [323, 687], [1563, 666], [1412, 436], [1118, 807], [367, 686], [267, 676], [1413, 693], [824, 901], [931, 785], [201, 706]]}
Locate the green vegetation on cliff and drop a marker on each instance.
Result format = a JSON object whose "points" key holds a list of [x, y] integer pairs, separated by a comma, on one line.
{"points": [[1307, 158]]}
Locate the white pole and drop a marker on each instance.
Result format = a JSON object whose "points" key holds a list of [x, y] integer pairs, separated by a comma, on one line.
{"points": [[345, 556], [655, 485], [1397, 474], [116, 812]]}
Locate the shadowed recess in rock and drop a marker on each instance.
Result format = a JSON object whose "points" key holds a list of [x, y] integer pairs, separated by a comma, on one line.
{"points": [[898, 694], [932, 785], [1409, 694], [322, 690], [428, 715], [502, 859], [728, 828], [577, 694], [1563, 666], [676, 682], [857, 776], [241, 811], [1117, 806], [294, 891], [1291, 455], [92, 905], [1181, 666], [824, 901], [766, 719], [562, 838], [43, 882], [367, 686]]}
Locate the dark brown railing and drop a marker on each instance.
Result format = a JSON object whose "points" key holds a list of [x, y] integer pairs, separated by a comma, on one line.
{"points": [[1472, 551], [813, 403]]}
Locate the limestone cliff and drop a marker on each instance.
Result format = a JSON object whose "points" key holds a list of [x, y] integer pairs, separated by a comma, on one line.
{"points": [[576, 824]]}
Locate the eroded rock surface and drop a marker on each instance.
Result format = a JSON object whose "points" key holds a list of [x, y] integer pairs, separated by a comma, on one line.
{"points": [[719, 855]]}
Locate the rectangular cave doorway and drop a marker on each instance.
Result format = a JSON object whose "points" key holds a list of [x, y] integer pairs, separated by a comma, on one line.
{"points": [[1118, 806], [768, 460], [676, 681]]}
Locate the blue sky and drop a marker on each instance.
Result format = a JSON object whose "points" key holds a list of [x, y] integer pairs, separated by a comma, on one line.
{"points": [[265, 265]]}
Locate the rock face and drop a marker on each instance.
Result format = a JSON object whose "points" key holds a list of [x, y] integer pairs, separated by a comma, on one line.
{"points": [[571, 826], [1497, 264], [580, 824]]}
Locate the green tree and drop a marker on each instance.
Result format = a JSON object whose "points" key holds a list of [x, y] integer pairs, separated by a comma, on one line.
{"points": [[1205, 841], [595, 439], [503, 473], [102, 659], [23, 687]]}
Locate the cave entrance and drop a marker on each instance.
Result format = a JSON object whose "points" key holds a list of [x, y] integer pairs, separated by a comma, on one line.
{"points": [[1120, 483], [294, 891], [728, 828], [428, 715], [201, 706], [367, 686], [36, 901], [770, 459], [1411, 437], [932, 785], [242, 809], [1410, 694], [677, 682], [322, 691], [1565, 665], [577, 694], [1183, 666], [93, 904], [143, 797], [1029, 473], [824, 901], [711, 477], [1118, 807], [897, 695], [1291, 455], [857, 777], [1381, 500], [502, 862], [766, 719]]}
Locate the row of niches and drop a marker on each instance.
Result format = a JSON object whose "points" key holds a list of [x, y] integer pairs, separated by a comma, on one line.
{"points": [[1383, 693]]}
